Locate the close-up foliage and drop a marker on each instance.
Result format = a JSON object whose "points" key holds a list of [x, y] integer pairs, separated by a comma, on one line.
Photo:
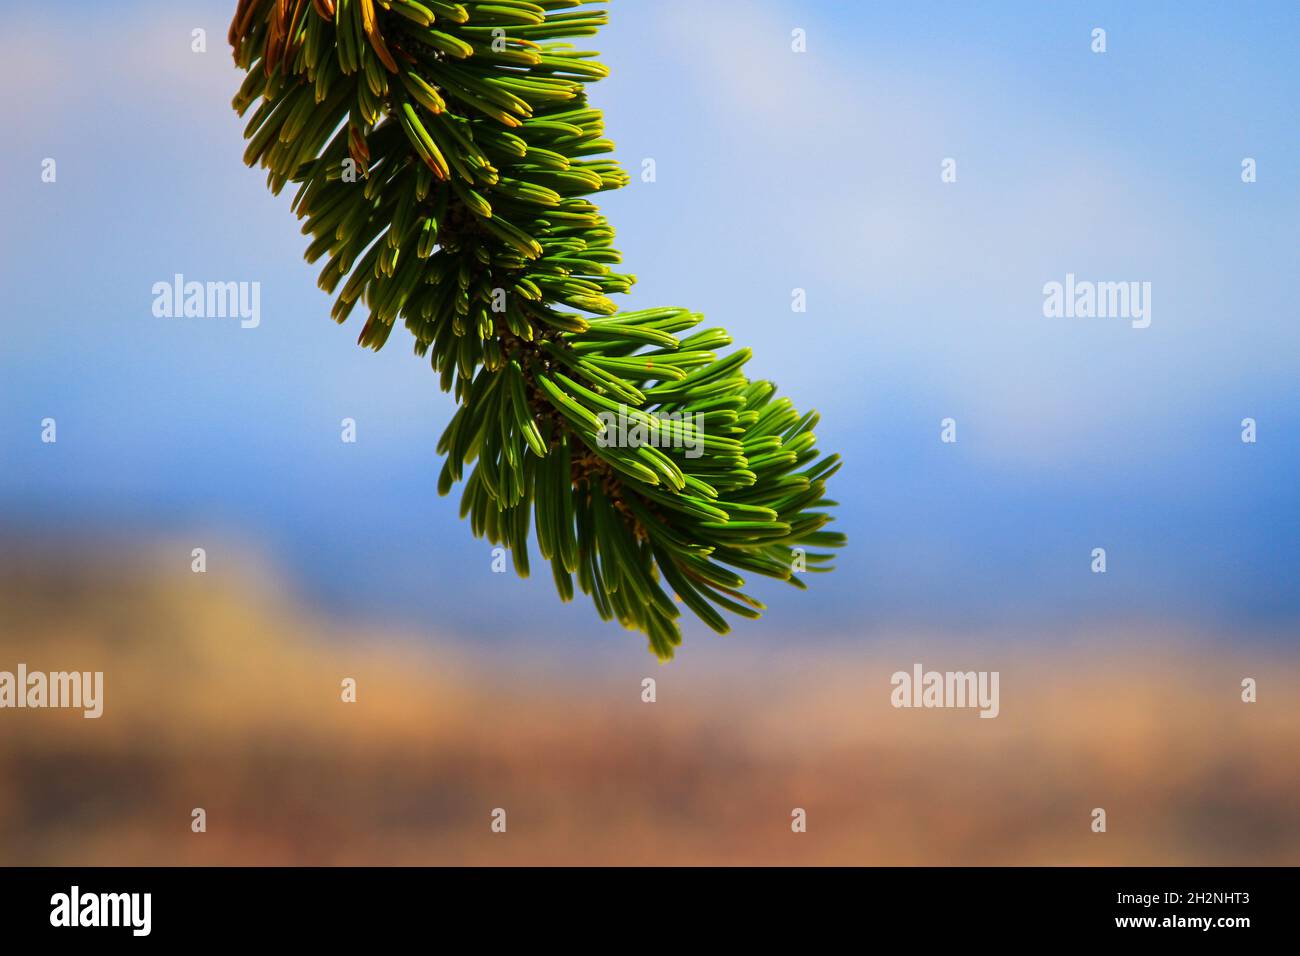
{"points": [[444, 155]]}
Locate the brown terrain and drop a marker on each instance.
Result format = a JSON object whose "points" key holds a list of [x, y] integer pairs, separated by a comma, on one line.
{"points": [[221, 695]]}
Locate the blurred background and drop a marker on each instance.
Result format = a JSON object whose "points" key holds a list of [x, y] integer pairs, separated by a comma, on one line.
{"points": [[774, 171]]}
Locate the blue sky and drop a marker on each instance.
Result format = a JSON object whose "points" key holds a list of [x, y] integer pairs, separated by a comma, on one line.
{"points": [[774, 170]]}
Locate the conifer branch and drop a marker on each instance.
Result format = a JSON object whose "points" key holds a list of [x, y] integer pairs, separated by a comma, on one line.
{"points": [[444, 153]]}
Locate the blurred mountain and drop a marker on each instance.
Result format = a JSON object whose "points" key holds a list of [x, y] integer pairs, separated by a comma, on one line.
{"points": [[221, 694]]}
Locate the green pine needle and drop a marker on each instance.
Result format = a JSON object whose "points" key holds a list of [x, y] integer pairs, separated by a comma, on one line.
{"points": [[444, 155]]}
